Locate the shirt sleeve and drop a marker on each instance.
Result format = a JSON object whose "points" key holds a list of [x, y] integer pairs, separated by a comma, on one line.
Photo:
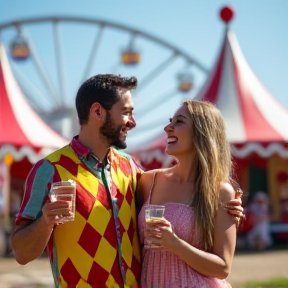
{"points": [[36, 191]]}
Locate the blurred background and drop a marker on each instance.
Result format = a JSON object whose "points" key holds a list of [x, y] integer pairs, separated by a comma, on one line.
{"points": [[48, 48]]}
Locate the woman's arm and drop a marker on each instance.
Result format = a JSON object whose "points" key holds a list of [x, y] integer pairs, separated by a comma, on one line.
{"points": [[216, 263]]}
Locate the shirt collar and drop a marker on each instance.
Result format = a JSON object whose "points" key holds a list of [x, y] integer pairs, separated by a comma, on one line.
{"points": [[84, 152]]}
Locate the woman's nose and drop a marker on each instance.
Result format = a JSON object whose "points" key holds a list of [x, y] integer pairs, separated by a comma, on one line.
{"points": [[168, 127]]}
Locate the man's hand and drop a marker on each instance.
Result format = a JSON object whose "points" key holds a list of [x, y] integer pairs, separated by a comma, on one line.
{"points": [[53, 212], [234, 208]]}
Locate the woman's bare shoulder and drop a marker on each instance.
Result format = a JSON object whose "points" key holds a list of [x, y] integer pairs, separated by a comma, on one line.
{"points": [[227, 192], [146, 179], [150, 174]]}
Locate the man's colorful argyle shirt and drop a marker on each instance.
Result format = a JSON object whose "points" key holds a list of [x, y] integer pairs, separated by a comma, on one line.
{"points": [[100, 248]]}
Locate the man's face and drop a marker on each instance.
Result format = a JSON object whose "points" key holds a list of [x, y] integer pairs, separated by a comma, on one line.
{"points": [[118, 121]]}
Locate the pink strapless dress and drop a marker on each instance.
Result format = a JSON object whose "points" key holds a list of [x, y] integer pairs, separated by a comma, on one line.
{"points": [[163, 269]]}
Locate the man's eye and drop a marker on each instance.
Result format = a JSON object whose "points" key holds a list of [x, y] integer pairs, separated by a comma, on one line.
{"points": [[125, 116]]}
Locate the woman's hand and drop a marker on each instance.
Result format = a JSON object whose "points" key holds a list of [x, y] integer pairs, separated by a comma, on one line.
{"points": [[159, 234]]}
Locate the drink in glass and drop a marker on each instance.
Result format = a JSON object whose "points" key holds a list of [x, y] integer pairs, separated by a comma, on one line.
{"points": [[64, 191]]}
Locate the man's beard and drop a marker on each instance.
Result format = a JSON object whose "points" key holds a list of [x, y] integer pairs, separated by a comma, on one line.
{"points": [[112, 133]]}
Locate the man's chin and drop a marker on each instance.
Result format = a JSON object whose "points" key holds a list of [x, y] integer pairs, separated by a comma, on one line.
{"points": [[120, 145]]}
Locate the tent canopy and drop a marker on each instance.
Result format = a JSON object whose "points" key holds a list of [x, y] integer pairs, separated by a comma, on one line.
{"points": [[22, 132], [255, 121]]}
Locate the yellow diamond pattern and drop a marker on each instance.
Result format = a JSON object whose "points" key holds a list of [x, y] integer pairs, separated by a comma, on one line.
{"points": [[99, 217], [64, 174], [105, 255], [110, 283], [125, 214], [69, 243], [88, 180], [123, 184], [126, 249]]}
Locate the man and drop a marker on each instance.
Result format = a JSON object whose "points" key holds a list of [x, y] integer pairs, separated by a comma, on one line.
{"points": [[100, 248]]}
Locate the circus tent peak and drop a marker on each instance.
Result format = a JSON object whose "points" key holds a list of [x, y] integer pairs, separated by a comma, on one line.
{"points": [[255, 121], [22, 131], [250, 112]]}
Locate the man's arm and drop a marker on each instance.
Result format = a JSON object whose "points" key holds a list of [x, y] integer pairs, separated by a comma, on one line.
{"points": [[36, 218], [30, 237]]}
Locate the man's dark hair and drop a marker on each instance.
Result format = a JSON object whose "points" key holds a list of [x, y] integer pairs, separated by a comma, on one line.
{"points": [[104, 89]]}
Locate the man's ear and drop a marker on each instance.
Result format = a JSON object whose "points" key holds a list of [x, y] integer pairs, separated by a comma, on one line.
{"points": [[96, 110]]}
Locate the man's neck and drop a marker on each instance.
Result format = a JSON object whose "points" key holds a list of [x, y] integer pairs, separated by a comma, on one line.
{"points": [[95, 142]]}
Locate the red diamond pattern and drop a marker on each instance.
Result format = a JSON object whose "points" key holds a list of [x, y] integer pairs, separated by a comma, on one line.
{"points": [[109, 234], [126, 169], [96, 275], [69, 164], [102, 196], [90, 240], [115, 271], [84, 201], [136, 267], [69, 273], [130, 231], [118, 194], [129, 195]]}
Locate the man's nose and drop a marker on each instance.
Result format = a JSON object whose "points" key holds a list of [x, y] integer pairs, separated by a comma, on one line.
{"points": [[131, 122]]}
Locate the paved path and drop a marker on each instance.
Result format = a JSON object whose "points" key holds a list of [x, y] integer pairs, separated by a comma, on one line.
{"points": [[249, 266]]}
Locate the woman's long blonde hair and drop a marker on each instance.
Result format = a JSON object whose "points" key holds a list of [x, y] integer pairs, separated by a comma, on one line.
{"points": [[214, 164]]}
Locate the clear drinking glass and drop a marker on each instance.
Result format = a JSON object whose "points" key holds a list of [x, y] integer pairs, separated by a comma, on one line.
{"points": [[153, 213], [64, 191]]}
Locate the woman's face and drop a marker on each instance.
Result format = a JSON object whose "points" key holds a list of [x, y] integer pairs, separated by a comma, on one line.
{"points": [[179, 133]]}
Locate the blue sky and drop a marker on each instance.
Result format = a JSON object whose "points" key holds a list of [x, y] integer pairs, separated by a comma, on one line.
{"points": [[192, 26]]}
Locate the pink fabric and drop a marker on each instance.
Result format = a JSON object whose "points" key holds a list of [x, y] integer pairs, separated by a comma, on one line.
{"points": [[163, 269]]}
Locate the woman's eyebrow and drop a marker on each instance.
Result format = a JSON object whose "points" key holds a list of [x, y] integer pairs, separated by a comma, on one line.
{"points": [[181, 116]]}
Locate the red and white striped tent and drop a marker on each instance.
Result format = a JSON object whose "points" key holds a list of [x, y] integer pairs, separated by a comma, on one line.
{"points": [[24, 139], [22, 132], [257, 125], [255, 121]]}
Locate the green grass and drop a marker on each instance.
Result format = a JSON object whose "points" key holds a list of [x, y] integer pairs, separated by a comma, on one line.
{"points": [[273, 283]]}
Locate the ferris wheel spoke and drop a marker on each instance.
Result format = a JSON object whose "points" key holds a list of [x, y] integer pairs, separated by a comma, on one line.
{"points": [[93, 52], [155, 104], [27, 85], [59, 53], [156, 72], [36, 106], [55, 85], [39, 66]]}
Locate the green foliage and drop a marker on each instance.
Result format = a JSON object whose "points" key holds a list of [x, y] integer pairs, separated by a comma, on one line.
{"points": [[273, 283]]}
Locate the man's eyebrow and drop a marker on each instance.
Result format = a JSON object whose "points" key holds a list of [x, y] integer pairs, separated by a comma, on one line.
{"points": [[126, 108]]}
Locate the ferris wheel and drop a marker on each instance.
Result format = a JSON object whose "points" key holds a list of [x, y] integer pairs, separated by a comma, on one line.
{"points": [[51, 57]]}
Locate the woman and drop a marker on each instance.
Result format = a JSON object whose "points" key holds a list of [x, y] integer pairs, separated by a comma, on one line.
{"points": [[197, 236]]}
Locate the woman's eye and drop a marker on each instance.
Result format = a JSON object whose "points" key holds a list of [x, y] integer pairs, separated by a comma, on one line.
{"points": [[179, 121]]}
